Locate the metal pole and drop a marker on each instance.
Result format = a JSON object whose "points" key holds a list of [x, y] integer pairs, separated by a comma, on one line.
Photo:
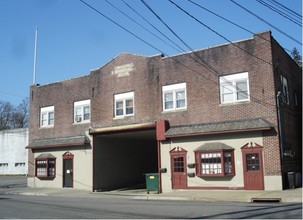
{"points": [[35, 55]]}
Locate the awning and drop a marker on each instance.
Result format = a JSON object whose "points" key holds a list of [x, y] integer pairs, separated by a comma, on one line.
{"points": [[219, 128], [213, 146], [46, 156], [58, 142]]}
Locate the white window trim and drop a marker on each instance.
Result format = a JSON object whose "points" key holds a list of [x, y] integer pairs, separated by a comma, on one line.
{"points": [[232, 80], [174, 88], [82, 105], [47, 110], [124, 97], [284, 83]]}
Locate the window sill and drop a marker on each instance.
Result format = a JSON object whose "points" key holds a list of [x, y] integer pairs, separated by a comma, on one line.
{"points": [[235, 103], [215, 175], [174, 110], [82, 122], [45, 127], [122, 117]]}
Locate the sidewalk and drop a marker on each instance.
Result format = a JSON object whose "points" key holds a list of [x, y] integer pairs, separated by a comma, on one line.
{"points": [[285, 196]]}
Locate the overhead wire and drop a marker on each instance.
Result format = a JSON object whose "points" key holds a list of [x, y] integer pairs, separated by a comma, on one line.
{"points": [[153, 26], [263, 103], [140, 25], [231, 22], [286, 8], [263, 20], [217, 33], [293, 20]]}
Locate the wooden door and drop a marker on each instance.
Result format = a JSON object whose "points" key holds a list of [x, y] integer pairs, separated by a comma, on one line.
{"points": [[253, 168], [68, 164], [178, 168]]}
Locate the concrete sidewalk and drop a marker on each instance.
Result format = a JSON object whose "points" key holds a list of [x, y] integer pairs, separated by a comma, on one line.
{"points": [[285, 196]]}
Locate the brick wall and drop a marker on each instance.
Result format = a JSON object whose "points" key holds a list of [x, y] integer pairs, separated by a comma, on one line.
{"points": [[145, 76]]}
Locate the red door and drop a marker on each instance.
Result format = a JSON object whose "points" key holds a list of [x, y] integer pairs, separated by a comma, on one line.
{"points": [[178, 167], [253, 168]]}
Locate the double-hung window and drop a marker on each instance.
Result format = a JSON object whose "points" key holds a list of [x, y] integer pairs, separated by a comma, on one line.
{"points": [[174, 97], [124, 104], [82, 111], [46, 166], [234, 88], [213, 161], [47, 116]]}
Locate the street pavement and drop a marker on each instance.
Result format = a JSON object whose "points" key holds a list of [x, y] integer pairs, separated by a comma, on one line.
{"points": [[285, 196]]}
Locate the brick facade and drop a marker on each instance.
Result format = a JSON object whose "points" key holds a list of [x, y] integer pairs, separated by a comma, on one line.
{"points": [[263, 59]]}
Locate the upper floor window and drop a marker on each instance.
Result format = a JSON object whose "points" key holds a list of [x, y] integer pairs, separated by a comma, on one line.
{"points": [[124, 104], [82, 111], [174, 97], [234, 88], [284, 88], [47, 116]]}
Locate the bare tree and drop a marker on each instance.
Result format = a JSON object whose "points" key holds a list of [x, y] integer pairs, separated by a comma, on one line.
{"points": [[5, 115], [20, 115], [14, 117]]}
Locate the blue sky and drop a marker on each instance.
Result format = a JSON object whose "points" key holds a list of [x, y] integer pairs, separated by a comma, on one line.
{"points": [[73, 38]]}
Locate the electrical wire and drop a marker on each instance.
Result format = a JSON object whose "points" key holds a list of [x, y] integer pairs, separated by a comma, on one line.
{"points": [[231, 22], [142, 17], [286, 8], [263, 103], [263, 20], [294, 20], [217, 33], [140, 25]]}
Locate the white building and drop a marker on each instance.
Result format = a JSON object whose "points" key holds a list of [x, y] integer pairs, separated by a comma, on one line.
{"points": [[13, 156]]}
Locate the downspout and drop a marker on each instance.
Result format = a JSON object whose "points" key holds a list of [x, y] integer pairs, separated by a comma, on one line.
{"points": [[159, 166], [281, 137]]}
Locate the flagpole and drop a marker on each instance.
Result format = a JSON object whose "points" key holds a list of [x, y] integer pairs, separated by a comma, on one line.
{"points": [[35, 55]]}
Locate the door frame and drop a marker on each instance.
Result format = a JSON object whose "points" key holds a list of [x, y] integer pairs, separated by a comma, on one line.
{"points": [[252, 148], [67, 156], [178, 151]]}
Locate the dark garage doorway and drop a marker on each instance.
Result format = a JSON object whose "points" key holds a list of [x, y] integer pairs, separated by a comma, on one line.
{"points": [[121, 159]]}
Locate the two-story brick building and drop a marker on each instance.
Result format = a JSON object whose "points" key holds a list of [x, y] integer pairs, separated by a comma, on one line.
{"points": [[225, 117]]}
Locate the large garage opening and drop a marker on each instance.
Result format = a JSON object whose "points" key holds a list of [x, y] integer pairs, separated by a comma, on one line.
{"points": [[121, 159]]}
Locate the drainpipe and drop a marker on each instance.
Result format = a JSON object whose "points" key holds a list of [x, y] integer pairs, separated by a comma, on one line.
{"points": [[281, 137], [159, 167]]}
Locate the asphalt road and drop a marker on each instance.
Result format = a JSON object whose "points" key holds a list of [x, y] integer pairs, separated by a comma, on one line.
{"points": [[48, 207]]}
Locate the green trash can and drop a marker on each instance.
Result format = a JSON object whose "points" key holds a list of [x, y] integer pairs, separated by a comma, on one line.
{"points": [[152, 182]]}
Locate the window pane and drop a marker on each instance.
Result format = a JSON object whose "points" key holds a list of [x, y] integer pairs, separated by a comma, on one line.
{"points": [[129, 106], [44, 119], [180, 99], [86, 111], [50, 118], [227, 93], [119, 108], [241, 90], [169, 104], [168, 97]]}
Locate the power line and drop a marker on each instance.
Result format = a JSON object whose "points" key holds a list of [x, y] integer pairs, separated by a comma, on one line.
{"points": [[141, 25], [231, 22], [280, 12], [176, 60], [217, 33], [286, 8], [261, 19], [181, 49]]}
